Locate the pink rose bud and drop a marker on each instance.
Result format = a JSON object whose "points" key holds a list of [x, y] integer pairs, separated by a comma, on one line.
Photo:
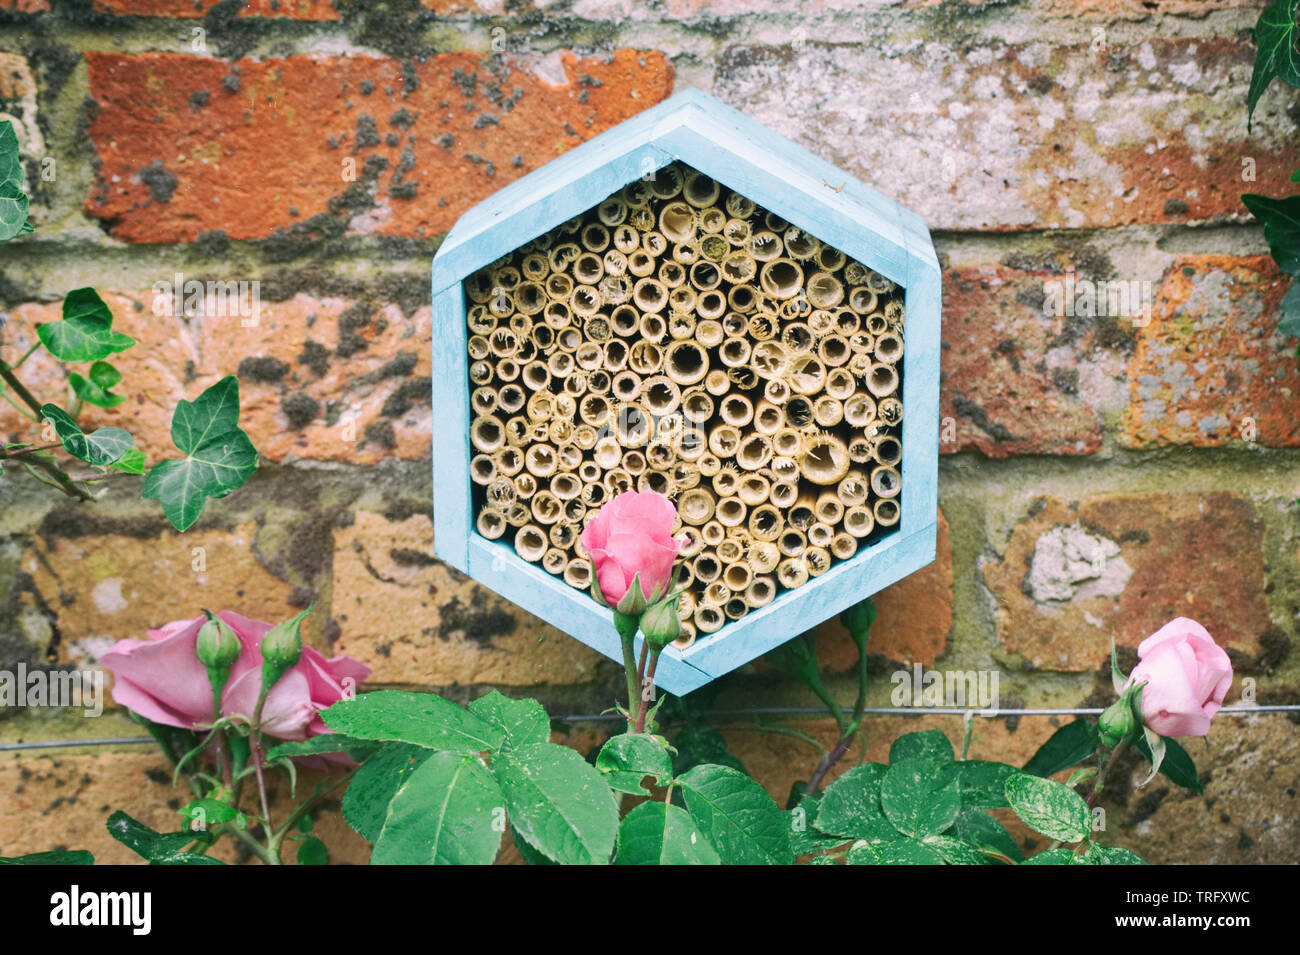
{"points": [[632, 538], [1187, 676]]}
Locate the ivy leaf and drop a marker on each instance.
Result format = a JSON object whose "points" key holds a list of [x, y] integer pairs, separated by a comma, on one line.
{"points": [[13, 201], [1275, 35], [132, 462], [219, 457], [100, 448], [95, 389], [1281, 221], [86, 331]]}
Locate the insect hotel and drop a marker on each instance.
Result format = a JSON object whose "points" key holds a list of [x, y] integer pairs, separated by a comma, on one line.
{"points": [[689, 304]]}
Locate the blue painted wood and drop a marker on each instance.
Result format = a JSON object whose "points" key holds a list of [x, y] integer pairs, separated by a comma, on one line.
{"points": [[803, 189]]}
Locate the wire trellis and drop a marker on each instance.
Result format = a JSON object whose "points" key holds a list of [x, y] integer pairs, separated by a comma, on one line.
{"points": [[741, 714]]}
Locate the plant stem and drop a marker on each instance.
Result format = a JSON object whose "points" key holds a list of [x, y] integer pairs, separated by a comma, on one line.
{"points": [[846, 733], [6, 372], [627, 627], [27, 354], [19, 452], [258, 849], [1105, 771], [646, 689]]}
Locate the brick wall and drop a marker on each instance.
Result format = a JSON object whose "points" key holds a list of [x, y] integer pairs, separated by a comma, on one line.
{"points": [[1100, 474]]}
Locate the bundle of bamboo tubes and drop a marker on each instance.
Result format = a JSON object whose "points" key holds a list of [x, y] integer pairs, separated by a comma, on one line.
{"points": [[678, 338]]}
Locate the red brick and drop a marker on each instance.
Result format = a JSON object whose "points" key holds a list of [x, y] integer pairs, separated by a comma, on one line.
{"points": [[987, 135], [356, 397], [1211, 367], [1016, 380], [25, 6], [286, 9], [258, 160], [1136, 562]]}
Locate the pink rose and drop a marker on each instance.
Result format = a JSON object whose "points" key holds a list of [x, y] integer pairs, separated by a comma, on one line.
{"points": [[1187, 676], [161, 679], [632, 534]]}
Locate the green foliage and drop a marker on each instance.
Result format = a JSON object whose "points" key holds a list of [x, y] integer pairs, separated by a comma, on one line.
{"points": [[850, 806], [627, 759], [656, 833], [219, 457], [86, 331], [13, 198], [95, 389], [56, 857], [737, 816], [157, 848], [1277, 56], [423, 719], [1068, 746], [558, 802], [365, 804], [358, 749], [1177, 766], [442, 814], [522, 721], [1049, 807], [311, 851], [100, 448]]}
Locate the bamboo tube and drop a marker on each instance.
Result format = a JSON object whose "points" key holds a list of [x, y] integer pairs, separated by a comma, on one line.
{"points": [[614, 289], [888, 450], [566, 406], [637, 193], [840, 384], [708, 619], [763, 556], [700, 191], [554, 561], [660, 395], [705, 276], [766, 523], [862, 300], [540, 460], [818, 560], [486, 434], [483, 401], [887, 512], [577, 573], [829, 508], [824, 290], [843, 545], [784, 493], [593, 496], [885, 482], [575, 512], [807, 375], [568, 339], [525, 486], [530, 542], [876, 323], [711, 304], [770, 359], [482, 469], [731, 550], [859, 521], [730, 512], [490, 523], [716, 594], [724, 440], [760, 592], [686, 363], [820, 534], [545, 507], [697, 405], [645, 357], [479, 347], [792, 542], [799, 244], [717, 382], [754, 451], [803, 512], [827, 411], [667, 182], [788, 442], [543, 337], [889, 347], [480, 372], [891, 410], [650, 295], [740, 266], [834, 350], [830, 258], [625, 238], [706, 566], [661, 482], [726, 481], [634, 462], [686, 639], [712, 247], [792, 572], [677, 221], [780, 277], [654, 243], [894, 314], [536, 375], [518, 514], [509, 461], [693, 543], [594, 237], [737, 232], [735, 608], [633, 426], [616, 353], [755, 489], [882, 381], [768, 418], [616, 481], [561, 256], [765, 246], [821, 323], [626, 386], [762, 326], [566, 485], [713, 533], [681, 325], [640, 263], [695, 507], [860, 449]]}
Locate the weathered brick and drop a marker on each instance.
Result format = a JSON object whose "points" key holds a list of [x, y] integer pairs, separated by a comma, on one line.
{"points": [[25, 6], [984, 134], [18, 105], [94, 590], [267, 150], [915, 617], [286, 9], [1074, 574], [412, 619], [320, 378], [66, 800], [1212, 367], [1017, 378]]}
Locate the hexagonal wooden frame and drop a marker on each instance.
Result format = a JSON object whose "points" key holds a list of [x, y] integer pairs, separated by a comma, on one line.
{"points": [[784, 178]]}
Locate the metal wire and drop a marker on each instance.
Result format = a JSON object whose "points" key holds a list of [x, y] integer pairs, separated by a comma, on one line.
{"points": [[739, 714]]}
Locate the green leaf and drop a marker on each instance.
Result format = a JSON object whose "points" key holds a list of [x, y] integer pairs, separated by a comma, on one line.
{"points": [[13, 200], [1081, 775], [1051, 857], [1049, 807], [219, 456], [979, 829], [55, 857], [365, 804], [86, 331], [898, 852], [100, 448], [1275, 35], [95, 390], [919, 797], [558, 802], [1068, 746], [1281, 221], [311, 851], [424, 719], [1177, 765], [357, 749], [955, 851], [131, 461], [850, 806], [805, 838], [211, 812], [656, 833], [530, 855], [932, 746], [627, 759], [738, 816], [524, 721], [1108, 855], [448, 811], [156, 847], [699, 745], [982, 784], [1290, 323], [1155, 751]]}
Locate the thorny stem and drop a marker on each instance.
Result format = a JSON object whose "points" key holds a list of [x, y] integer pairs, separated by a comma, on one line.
{"points": [[846, 733], [647, 689], [627, 627]]}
